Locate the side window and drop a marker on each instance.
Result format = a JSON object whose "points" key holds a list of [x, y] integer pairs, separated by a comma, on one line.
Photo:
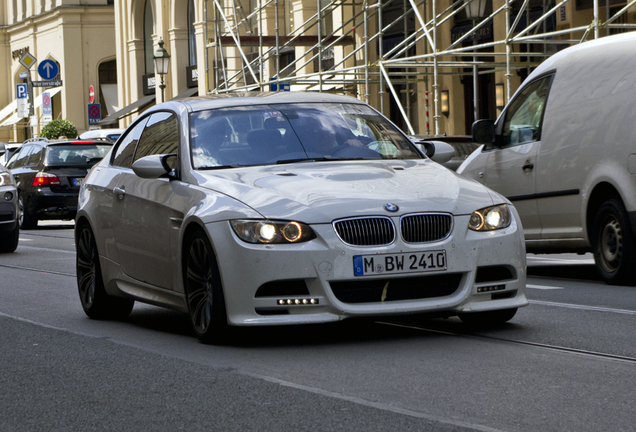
{"points": [[123, 155], [19, 160], [524, 117], [161, 136], [35, 156]]}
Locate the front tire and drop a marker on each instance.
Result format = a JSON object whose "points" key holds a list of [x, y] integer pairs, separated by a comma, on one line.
{"points": [[97, 304], [488, 318], [9, 239], [613, 244], [204, 292]]}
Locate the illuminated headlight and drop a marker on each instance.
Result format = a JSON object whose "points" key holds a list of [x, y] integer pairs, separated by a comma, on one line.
{"points": [[272, 231], [5, 179], [490, 218]]}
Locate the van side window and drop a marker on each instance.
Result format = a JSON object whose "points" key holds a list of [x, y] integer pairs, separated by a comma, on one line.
{"points": [[524, 117]]}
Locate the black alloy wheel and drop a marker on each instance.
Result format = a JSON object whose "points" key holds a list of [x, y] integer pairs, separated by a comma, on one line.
{"points": [[613, 244], [96, 302], [204, 293], [488, 318]]}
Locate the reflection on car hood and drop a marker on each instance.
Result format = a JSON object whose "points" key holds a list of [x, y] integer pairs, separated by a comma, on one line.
{"points": [[319, 192]]}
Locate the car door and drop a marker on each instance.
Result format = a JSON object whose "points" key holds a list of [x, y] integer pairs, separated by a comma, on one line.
{"points": [[109, 198], [17, 165], [511, 165], [146, 237]]}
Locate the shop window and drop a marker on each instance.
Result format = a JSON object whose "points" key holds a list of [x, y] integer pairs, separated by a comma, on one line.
{"points": [[148, 42], [192, 40]]}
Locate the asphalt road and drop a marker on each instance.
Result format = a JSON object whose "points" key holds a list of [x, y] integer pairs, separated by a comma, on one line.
{"points": [[567, 362]]}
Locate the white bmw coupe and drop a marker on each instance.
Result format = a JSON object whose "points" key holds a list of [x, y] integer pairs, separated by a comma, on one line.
{"points": [[289, 208]]}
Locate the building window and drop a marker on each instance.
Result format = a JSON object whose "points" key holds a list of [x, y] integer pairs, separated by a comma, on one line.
{"points": [[148, 42], [192, 40]]}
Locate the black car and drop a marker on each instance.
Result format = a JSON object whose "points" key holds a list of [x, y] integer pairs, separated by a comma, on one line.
{"points": [[49, 174]]}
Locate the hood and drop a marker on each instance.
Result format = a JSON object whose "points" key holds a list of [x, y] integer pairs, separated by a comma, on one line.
{"points": [[320, 192]]}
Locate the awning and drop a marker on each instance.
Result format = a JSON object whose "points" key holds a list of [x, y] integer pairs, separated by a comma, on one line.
{"points": [[189, 92], [38, 103], [110, 97], [8, 109], [111, 119]]}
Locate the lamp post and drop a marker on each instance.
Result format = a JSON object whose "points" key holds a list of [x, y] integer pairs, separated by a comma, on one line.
{"points": [[162, 61], [475, 10]]}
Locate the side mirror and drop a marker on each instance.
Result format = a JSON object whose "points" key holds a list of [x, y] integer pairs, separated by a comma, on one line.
{"points": [[3, 149], [484, 132], [438, 151], [153, 166]]}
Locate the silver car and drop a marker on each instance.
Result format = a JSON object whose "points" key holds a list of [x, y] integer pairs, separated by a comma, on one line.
{"points": [[284, 208], [9, 214]]}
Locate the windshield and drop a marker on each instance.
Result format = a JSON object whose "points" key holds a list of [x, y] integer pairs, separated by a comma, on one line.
{"points": [[285, 133], [75, 154]]}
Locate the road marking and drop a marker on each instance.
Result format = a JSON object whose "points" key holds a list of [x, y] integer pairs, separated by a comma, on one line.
{"points": [[583, 307], [543, 287]]}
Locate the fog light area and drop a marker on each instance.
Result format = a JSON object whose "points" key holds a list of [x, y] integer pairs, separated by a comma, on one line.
{"points": [[297, 302], [491, 288]]}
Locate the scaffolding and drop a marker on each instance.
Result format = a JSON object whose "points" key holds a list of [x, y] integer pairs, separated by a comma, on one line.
{"points": [[341, 47]]}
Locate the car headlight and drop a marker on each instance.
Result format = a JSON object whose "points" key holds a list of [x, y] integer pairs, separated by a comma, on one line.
{"points": [[490, 218], [266, 231], [5, 178]]}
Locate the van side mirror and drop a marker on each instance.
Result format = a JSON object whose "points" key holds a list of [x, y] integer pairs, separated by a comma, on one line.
{"points": [[484, 132]]}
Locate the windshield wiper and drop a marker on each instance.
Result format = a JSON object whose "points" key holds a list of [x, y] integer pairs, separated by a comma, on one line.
{"points": [[322, 159], [234, 165]]}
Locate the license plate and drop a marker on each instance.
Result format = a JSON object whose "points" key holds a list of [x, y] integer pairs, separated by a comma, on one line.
{"points": [[78, 181], [413, 262]]}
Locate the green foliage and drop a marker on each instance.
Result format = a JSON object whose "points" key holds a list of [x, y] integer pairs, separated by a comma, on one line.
{"points": [[58, 128]]}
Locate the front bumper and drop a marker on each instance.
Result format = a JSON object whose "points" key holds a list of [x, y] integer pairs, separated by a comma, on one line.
{"points": [[314, 281], [8, 208]]}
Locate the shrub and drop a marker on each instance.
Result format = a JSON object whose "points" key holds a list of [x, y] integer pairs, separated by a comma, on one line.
{"points": [[58, 128]]}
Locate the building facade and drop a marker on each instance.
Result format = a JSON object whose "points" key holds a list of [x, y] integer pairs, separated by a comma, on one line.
{"points": [[431, 66], [79, 36]]}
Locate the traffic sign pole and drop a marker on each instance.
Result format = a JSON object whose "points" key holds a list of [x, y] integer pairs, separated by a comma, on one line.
{"points": [[27, 60]]}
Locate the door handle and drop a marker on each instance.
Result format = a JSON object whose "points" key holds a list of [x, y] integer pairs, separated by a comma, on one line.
{"points": [[120, 192], [528, 166]]}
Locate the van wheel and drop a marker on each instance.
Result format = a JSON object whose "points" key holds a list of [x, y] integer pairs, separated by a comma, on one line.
{"points": [[613, 244]]}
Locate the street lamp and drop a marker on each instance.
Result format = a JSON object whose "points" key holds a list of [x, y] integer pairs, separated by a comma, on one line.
{"points": [[162, 61], [475, 10]]}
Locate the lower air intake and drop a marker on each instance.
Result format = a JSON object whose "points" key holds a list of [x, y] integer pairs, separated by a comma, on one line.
{"points": [[386, 290]]}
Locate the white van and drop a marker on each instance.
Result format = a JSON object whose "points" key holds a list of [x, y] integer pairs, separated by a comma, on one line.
{"points": [[564, 152]]}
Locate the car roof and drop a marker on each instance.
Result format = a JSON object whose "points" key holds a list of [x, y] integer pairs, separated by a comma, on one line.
{"points": [[47, 142], [228, 100]]}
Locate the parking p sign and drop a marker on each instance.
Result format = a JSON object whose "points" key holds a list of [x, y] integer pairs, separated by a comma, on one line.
{"points": [[94, 114]]}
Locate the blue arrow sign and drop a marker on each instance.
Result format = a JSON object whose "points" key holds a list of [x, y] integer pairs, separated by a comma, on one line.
{"points": [[48, 69]]}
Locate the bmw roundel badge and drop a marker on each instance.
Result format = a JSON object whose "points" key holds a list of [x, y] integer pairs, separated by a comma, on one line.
{"points": [[391, 207]]}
